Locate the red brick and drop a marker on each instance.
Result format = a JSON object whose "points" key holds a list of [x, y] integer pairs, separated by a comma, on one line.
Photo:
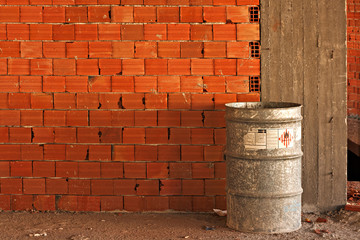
{"points": [[32, 152], [88, 101], [201, 2], [203, 204], [100, 49], [10, 117], [177, 2], [3, 31], [251, 97], [222, 99], [168, 49], [180, 170], [203, 170], [89, 169], [134, 203], [191, 84], [99, 14], [239, 84], [169, 118], [131, 2], [192, 118], [44, 169], [193, 187], [145, 50], [31, 49], [156, 203], [56, 186], [18, 66], [30, 84], [4, 169], [179, 66], [9, 14], [147, 187], [192, 153], [134, 135], [123, 153], [201, 32], [145, 153], [20, 135], [64, 32], [220, 169], [111, 170], [64, 67], [202, 136], [202, 102], [145, 118], [65, 135], [79, 186], [154, 2], [132, 32], [178, 32], [22, 202], [156, 135], [214, 119], [248, 67], [4, 100], [43, 135], [87, 67], [215, 187], [135, 170], [122, 14], [123, 49], [224, 2], [122, 118], [122, 84], [44, 203], [76, 14], [34, 186], [88, 135], [21, 169], [220, 136], [3, 66], [145, 84], [170, 187], [144, 14], [169, 83], [85, 2], [167, 14], [40, 32], [86, 32], [41, 101], [100, 118], [214, 84], [179, 101], [109, 31], [238, 14], [180, 203], [191, 14], [19, 100], [54, 49], [54, 152], [42, 66], [77, 118], [110, 66], [191, 49], [5, 202], [77, 152], [157, 170], [53, 84], [10, 49], [156, 101], [11, 185], [54, 118], [88, 203], [214, 49], [155, 32], [124, 186], [224, 32], [248, 32], [133, 66], [111, 135], [225, 66], [64, 101], [77, 49], [54, 14], [18, 32], [111, 203], [133, 101], [67, 203], [215, 14], [99, 84], [168, 153], [100, 152]]}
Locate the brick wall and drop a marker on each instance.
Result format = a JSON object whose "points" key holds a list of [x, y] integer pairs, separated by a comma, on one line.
{"points": [[353, 15], [109, 105]]}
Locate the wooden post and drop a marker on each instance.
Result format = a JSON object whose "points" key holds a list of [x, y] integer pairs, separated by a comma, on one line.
{"points": [[303, 60]]}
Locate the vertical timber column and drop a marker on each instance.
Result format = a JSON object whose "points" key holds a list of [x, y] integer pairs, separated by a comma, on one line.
{"points": [[303, 60]]}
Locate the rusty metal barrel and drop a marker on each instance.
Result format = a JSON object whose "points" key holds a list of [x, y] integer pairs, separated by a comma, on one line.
{"points": [[263, 164]]}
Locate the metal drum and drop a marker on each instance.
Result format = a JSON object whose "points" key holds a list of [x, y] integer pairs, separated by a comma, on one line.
{"points": [[263, 161]]}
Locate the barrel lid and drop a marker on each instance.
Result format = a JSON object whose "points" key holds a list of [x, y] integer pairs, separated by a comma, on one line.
{"points": [[262, 105]]}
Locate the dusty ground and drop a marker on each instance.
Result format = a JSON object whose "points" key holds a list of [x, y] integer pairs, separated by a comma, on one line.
{"points": [[81, 226]]}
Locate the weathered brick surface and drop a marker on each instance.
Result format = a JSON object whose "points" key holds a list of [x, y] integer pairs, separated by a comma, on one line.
{"points": [[119, 105]]}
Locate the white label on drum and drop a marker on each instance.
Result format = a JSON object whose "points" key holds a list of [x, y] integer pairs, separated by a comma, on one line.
{"points": [[259, 138]]}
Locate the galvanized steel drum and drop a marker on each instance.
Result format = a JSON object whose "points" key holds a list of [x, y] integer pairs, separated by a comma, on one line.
{"points": [[263, 159]]}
